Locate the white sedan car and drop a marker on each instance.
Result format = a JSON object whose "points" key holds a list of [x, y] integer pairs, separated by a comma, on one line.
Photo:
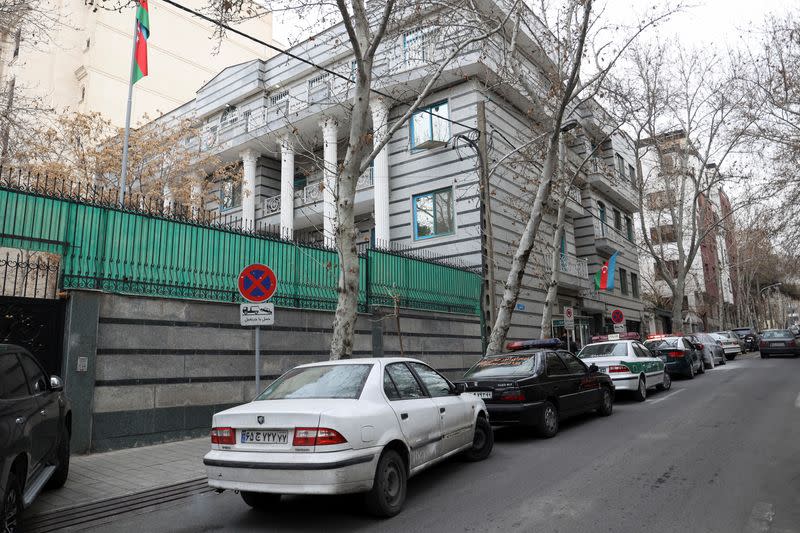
{"points": [[357, 425], [730, 343]]}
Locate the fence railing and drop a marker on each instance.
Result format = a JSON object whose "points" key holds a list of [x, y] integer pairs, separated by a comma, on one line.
{"points": [[132, 251]]}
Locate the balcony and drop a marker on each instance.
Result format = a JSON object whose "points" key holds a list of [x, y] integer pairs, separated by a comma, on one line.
{"points": [[618, 188], [608, 240], [574, 272], [312, 193], [574, 206]]}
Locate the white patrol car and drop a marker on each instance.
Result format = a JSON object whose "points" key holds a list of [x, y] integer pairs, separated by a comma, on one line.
{"points": [[628, 362]]}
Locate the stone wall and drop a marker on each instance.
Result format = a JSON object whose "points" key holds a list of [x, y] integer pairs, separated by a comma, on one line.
{"points": [[162, 367]]}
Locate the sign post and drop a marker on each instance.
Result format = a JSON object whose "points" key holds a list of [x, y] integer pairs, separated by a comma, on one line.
{"points": [[257, 284], [618, 318], [569, 323]]}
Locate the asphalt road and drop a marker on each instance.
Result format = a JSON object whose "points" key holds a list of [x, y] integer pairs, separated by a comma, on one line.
{"points": [[720, 453]]}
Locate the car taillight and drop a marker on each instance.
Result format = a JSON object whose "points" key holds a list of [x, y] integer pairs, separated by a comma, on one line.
{"points": [[699, 346], [763, 344], [792, 343], [512, 395], [675, 354], [223, 436], [618, 368], [317, 437]]}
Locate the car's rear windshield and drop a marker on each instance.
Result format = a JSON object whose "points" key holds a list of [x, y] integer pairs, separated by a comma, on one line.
{"points": [[604, 350], [502, 365], [656, 344], [327, 381], [726, 334], [743, 331], [776, 333]]}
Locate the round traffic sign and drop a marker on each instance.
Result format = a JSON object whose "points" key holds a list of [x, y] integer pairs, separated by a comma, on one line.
{"points": [[617, 317], [568, 313], [257, 283]]}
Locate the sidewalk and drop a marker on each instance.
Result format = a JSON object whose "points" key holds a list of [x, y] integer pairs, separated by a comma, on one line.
{"points": [[101, 476]]}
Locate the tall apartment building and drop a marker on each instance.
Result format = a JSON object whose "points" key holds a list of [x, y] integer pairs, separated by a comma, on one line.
{"points": [[285, 122], [667, 162], [85, 63]]}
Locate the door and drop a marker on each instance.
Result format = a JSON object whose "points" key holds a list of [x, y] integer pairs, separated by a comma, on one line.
{"points": [[455, 413], [558, 382], [19, 411], [416, 413], [653, 366], [587, 385], [48, 402]]}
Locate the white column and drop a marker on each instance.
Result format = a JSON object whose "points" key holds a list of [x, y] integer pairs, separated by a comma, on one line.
{"points": [[329, 137], [287, 188], [249, 159], [380, 173], [196, 198], [168, 198]]}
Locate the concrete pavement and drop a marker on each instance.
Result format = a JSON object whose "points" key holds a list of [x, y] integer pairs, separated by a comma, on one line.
{"points": [[715, 454]]}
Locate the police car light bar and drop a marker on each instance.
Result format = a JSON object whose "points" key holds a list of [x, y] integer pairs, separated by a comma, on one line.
{"points": [[663, 335], [616, 337], [533, 343]]}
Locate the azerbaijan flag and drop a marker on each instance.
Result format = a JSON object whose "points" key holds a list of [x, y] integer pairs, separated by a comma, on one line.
{"points": [[142, 33], [604, 278]]}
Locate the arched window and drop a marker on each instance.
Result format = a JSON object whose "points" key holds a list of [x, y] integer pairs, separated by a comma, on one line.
{"points": [[602, 211]]}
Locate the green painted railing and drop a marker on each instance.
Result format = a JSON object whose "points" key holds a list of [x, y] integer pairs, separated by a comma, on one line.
{"points": [[132, 252]]}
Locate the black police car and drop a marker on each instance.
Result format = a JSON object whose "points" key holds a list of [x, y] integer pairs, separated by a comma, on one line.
{"points": [[536, 384], [35, 425]]}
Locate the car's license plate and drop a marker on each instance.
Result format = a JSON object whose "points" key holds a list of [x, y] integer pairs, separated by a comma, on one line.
{"points": [[482, 394], [264, 436], [777, 344]]}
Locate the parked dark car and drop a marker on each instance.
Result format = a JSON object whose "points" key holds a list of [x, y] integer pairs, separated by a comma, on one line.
{"points": [[537, 385], [679, 354], [778, 342], [749, 336], [35, 426], [713, 353]]}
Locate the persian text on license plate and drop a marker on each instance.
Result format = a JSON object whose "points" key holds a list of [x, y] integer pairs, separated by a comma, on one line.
{"points": [[264, 436], [777, 344], [487, 394]]}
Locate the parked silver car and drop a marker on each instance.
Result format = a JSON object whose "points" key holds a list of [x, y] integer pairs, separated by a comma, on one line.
{"points": [[713, 353]]}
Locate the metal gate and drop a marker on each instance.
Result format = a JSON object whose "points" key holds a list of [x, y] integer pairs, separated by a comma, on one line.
{"points": [[30, 314]]}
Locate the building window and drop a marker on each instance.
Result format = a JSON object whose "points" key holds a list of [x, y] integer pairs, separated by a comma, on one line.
{"points": [[415, 49], [617, 219], [433, 214], [430, 126], [620, 166], [83, 93], [634, 285], [629, 228], [601, 207], [230, 194], [663, 233], [632, 175], [623, 280], [563, 243]]}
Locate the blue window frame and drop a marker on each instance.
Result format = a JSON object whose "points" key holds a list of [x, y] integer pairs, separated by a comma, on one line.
{"points": [[230, 194], [430, 124], [433, 214]]}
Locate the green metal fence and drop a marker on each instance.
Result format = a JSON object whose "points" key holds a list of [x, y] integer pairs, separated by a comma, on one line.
{"points": [[135, 251]]}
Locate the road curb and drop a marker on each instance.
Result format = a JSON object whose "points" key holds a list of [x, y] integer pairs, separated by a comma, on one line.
{"points": [[97, 512]]}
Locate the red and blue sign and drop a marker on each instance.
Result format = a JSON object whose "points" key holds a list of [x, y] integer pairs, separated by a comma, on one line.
{"points": [[617, 317], [257, 283]]}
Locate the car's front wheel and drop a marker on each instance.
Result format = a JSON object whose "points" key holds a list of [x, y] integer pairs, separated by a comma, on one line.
{"points": [[11, 512], [261, 500], [59, 477], [482, 442], [640, 394], [389, 488], [606, 402], [666, 383], [548, 425]]}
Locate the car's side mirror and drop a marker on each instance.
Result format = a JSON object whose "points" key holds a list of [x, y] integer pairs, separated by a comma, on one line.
{"points": [[593, 368], [56, 384], [459, 388]]}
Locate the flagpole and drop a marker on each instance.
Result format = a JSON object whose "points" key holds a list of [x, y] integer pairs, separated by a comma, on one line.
{"points": [[123, 180]]}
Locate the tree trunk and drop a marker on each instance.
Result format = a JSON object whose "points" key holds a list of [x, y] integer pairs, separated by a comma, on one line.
{"points": [[677, 306], [521, 256], [555, 272]]}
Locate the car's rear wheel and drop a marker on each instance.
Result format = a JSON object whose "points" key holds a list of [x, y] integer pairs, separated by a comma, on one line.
{"points": [[722, 360], [482, 442], [640, 394], [606, 402], [59, 477], [389, 488], [548, 425], [666, 384], [690, 375], [11, 512], [262, 501], [701, 368], [730, 356]]}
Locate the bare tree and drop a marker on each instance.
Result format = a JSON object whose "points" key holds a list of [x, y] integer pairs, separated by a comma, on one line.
{"points": [[689, 113]]}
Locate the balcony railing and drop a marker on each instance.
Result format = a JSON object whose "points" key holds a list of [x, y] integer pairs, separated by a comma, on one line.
{"points": [[604, 231], [575, 266], [312, 193]]}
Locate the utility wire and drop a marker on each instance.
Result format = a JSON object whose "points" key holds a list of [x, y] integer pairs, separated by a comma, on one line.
{"points": [[281, 51]]}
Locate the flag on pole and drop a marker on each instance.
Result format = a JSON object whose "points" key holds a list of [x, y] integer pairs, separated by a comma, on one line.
{"points": [[142, 33], [604, 278]]}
